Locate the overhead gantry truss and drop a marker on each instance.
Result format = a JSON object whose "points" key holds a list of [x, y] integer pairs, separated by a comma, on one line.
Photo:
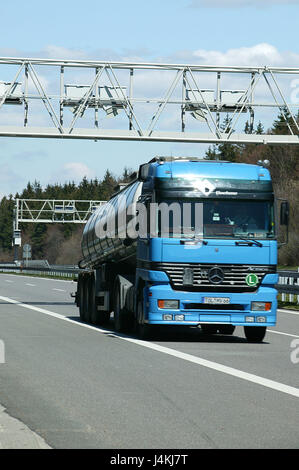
{"points": [[146, 102], [50, 211], [53, 211]]}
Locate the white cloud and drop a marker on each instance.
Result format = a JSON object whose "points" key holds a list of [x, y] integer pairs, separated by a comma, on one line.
{"points": [[127, 55], [77, 170], [240, 3], [72, 171], [258, 55], [58, 52], [261, 54]]}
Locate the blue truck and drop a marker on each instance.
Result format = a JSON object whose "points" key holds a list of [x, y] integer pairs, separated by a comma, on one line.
{"points": [[187, 242]]}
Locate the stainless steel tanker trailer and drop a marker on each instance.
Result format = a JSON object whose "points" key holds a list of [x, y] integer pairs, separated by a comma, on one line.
{"points": [[109, 261]]}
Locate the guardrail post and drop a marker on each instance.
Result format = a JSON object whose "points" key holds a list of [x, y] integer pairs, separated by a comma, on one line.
{"points": [[283, 295]]}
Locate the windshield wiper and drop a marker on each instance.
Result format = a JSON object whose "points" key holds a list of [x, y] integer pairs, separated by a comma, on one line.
{"points": [[249, 242]]}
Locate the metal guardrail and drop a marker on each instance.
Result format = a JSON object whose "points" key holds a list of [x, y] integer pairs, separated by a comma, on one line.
{"points": [[288, 286], [55, 271]]}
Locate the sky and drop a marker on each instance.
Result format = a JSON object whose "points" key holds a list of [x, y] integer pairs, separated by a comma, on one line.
{"points": [[218, 32]]}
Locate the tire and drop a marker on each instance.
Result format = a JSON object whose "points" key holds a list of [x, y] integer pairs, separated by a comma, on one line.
{"points": [[209, 329], [255, 334], [87, 286], [226, 329], [81, 288], [143, 331], [97, 317], [120, 320]]}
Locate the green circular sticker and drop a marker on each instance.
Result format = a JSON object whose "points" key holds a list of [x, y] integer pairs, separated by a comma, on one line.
{"points": [[252, 280]]}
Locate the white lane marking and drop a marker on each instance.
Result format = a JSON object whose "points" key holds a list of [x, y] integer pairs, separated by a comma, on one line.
{"points": [[272, 384], [7, 280], [59, 290], [281, 333], [292, 312], [28, 284]]}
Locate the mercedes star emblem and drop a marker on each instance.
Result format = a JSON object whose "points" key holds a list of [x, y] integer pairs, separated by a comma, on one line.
{"points": [[216, 275]]}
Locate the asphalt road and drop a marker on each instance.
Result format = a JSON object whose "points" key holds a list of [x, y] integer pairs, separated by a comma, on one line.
{"points": [[79, 386]]}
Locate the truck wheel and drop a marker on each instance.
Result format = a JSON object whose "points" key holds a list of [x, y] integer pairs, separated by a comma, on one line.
{"points": [[87, 285], [143, 330], [255, 334], [97, 317], [81, 299], [226, 329], [120, 321]]}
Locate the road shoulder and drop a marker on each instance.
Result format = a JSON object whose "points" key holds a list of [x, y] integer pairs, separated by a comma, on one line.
{"points": [[16, 435]]}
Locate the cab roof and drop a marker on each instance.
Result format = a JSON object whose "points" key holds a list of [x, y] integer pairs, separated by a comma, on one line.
{"points": [[199, 168]]}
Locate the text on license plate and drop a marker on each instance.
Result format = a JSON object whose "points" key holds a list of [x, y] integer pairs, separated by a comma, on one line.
{"points": [[216, 300]]}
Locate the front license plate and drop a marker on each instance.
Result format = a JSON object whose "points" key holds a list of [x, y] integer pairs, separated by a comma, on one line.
{"points": [[216, 300]]}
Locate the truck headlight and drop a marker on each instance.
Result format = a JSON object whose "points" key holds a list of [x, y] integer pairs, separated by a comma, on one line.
{"points": [[170, 304], [261, 306]]}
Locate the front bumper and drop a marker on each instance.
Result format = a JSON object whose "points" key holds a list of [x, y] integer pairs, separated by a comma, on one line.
{"points": [[195, 311]]}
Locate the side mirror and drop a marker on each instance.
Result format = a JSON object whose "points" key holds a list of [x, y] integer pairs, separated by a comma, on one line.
{"points": [[284, 213], [143, 172]]}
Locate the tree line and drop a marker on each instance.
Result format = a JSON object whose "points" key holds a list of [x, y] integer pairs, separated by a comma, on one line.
{"points": [[37, 234]]}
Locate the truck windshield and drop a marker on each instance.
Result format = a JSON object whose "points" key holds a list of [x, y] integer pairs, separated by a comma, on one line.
{"points": [[216, 218]]}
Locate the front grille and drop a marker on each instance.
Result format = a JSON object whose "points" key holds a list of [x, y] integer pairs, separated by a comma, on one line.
{"points": [[195, 276]]}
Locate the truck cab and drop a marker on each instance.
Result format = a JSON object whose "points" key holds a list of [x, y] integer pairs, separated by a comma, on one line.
{"points": [[220, 270]]}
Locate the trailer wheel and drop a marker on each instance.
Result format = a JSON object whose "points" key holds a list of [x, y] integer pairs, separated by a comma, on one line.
{"points": [[86, 297], [81, 289], [255, 334], [97, 317]]}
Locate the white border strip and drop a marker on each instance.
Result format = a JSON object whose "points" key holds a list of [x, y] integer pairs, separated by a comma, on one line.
{"points": [[174, 353], [284, 310], [281, 333]]}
